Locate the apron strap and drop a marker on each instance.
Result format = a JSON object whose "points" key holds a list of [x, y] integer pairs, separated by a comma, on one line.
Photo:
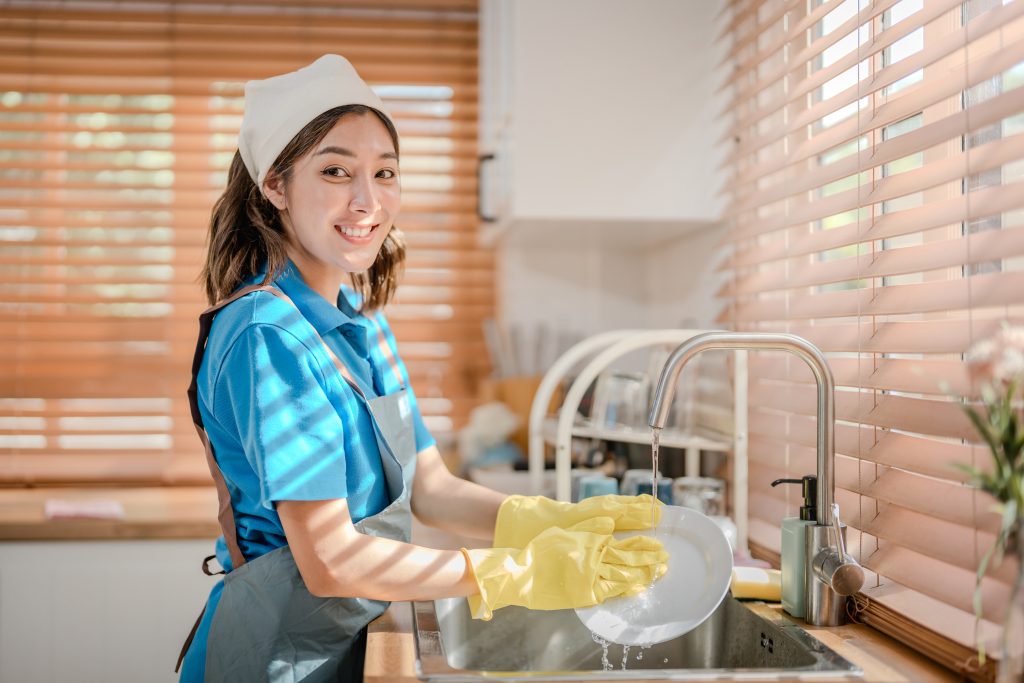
{"points": [[389, 356], [188, 641], [225, 515]]}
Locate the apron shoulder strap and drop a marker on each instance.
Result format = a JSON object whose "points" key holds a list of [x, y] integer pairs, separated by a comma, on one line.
{"points": [[225, 515]]}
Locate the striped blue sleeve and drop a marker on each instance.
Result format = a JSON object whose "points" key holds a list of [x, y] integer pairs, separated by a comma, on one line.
{"points": [[272, 388], [423, 437]]}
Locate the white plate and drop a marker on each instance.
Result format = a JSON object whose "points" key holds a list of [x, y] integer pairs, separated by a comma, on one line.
{"points": [[699, 571]]}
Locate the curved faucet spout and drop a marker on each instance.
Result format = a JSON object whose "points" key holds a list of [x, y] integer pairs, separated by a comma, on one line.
{"points": [[798, 346]]}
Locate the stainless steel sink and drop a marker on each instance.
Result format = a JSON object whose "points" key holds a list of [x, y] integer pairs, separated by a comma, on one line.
{"points": [[739, 641]]}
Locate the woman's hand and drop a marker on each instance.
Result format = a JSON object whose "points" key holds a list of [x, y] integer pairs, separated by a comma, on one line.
{"points": [[522, 518], [565, 568]]}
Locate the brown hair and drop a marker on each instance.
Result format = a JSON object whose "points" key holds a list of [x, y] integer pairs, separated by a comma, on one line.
{"points": [[246, 231]]}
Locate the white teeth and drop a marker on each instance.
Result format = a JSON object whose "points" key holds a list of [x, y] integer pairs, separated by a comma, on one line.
{"points": [[354, 232]]}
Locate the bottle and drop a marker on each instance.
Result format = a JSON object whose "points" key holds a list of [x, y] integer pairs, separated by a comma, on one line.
{"points": [[794, 548]]}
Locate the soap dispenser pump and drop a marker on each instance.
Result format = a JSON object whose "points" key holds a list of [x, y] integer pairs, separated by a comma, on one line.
{"points": [[794, 549]]}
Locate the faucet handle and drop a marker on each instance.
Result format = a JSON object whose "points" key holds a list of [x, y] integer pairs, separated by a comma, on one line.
{"points": [[835, 567], [837, 527]]}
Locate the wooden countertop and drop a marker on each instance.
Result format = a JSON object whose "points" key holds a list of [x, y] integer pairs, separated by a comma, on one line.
{"points": [[152, 512], [391, 652], [191, 512]]}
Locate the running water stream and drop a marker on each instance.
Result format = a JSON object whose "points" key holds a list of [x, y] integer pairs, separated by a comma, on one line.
{"points": [[605, 663], [655, 444]]}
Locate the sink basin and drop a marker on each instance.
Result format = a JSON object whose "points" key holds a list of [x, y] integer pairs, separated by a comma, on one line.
{"points": [[740, 640]]}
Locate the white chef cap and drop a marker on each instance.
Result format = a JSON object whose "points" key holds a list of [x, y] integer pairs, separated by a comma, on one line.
{"points": [[277, 108]]}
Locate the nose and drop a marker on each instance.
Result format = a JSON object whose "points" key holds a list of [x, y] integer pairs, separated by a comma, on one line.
{"points": [[364, 195]]}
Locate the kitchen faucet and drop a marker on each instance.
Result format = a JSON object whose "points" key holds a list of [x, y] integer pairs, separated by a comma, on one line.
{"points": [[831, 573]]}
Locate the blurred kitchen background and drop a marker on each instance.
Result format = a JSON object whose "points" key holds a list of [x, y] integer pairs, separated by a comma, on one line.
{"points": [[845, 170]]}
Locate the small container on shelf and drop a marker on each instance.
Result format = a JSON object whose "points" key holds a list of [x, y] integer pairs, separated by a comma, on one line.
{"points": [[664, 489], [597, 485]]}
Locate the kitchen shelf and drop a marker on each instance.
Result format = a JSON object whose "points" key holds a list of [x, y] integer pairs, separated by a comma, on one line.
{"points": [[670, 438], [597, 353]]}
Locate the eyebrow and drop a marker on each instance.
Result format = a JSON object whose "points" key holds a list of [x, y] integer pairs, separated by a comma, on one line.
{"points": [[348, 153]]}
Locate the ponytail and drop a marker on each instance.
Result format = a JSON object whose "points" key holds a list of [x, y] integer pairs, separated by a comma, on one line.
{"points": [[246, 234]]}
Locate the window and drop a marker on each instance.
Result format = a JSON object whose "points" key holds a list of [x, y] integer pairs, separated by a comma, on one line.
{"points": [[881, 216], [117, 124]]}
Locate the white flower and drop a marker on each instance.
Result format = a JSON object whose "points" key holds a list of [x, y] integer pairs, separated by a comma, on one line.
{"points": [[982, 352], [1000, 358], [1009, 366]]}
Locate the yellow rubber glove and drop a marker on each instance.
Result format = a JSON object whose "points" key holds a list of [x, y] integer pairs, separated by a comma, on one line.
{"points": [[521, 518], [565, 568]]}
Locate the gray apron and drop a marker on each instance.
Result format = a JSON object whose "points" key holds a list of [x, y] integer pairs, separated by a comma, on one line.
{"points": [[268, 626]]}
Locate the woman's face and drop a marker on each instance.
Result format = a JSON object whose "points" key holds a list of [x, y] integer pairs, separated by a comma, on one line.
{"points": [[341, 199]]}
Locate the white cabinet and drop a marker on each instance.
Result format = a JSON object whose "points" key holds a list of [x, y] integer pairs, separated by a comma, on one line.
{"points": [[601, 117], [98, 611]]}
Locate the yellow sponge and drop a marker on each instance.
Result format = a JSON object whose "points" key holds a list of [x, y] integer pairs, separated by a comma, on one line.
{"points": [[757, 583]]}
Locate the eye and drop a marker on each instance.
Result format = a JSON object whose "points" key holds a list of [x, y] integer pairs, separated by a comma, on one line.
{"points": [[334, 172], [386, 174]]}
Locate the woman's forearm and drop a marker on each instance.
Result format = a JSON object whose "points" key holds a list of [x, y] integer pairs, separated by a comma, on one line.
{"points": [[336, 560], [384, 569], [447, 502]]}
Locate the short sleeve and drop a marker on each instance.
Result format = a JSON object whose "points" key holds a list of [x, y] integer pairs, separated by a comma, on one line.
{"points": [[271, 386], [389, 362]]}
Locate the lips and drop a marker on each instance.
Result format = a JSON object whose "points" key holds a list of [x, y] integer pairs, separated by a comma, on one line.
{"points": [[357, 234]]}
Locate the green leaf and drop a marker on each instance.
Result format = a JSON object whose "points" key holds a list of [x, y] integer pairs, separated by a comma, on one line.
{"points": [[978, 611], [982, 428]]}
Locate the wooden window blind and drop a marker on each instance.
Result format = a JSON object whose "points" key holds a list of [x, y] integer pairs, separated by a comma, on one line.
{"points": [[877, 209], [117, 124]]}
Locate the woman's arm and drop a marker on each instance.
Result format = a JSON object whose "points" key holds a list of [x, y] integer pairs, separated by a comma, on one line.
{"points": [[447, 502], [336, 560]]}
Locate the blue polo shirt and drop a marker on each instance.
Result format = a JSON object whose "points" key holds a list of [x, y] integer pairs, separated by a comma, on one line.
{"points": [[283, 423]]}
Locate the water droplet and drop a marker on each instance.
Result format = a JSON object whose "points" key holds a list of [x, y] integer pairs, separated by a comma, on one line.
{"points": [[625, 656], [605, 664]]}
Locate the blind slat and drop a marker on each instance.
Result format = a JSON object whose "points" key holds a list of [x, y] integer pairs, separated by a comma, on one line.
{"points": [[979, 69], [987, 113], [966, 250], [923, 455], [922, 375], [997, 289], [818, 76], [918, 415]]}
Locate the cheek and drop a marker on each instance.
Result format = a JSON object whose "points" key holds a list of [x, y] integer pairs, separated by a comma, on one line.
{"points": [[391, 199]]}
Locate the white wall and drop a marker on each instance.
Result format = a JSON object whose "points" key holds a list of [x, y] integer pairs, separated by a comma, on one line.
{"points": [[98, 611], [682, 281], [590, 289]]}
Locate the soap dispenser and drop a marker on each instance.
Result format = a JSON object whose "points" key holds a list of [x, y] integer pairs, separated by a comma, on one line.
{"points": [[794, 549]]}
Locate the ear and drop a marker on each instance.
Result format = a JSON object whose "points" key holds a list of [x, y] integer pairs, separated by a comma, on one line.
{"points": [[273, 189]]}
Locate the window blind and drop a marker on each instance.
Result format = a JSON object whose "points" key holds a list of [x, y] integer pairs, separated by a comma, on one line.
{"points": [[118, 121], [876, 183]]}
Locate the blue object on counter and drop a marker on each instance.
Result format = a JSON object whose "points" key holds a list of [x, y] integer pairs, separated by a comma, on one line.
{"points": [[597, 485], [664, 489], [499, 454]]}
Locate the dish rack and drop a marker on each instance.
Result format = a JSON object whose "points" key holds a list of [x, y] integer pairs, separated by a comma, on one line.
{"points": [[603, 350]]}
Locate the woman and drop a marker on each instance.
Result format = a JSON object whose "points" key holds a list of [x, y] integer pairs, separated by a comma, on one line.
{"points": [[313, 436]]}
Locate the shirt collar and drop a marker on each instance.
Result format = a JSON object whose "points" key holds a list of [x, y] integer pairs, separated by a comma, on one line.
{"points": [[319, 312]]}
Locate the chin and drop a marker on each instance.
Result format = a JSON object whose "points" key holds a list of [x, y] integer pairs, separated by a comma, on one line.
{"points": [[359, 266]]}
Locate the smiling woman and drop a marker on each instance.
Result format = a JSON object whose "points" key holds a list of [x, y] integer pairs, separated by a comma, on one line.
{"points": [[312, 431]]}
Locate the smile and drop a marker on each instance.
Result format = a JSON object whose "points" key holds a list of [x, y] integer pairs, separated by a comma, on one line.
{"points": [[356, 234]]}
